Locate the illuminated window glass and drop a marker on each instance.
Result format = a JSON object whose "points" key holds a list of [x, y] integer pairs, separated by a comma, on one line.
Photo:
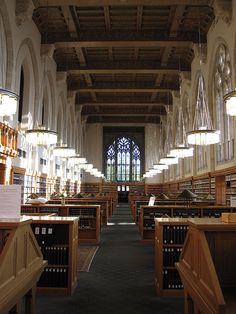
{"points": [[123, 161]]}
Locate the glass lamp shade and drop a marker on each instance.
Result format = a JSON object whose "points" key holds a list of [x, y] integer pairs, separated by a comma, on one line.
{"points": [[230, 103], [41, 137], [8, 102], [75, 160], [181, 151], [87, 167], [160, 166], [155, 171], [63, 151], [203, 136], [169, 160]]}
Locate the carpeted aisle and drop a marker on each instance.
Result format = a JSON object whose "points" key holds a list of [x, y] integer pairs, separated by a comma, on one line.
{"points": [[121, 277]]}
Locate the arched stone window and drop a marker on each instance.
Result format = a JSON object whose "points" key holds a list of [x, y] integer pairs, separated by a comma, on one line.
{"points": [[186, 110], [222, 85], [123, 161], [201, 151]]}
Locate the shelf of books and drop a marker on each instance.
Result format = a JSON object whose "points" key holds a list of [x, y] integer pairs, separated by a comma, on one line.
{"points": [[230, 182], [146, 222], [89, 215], [57, 184], [149, 213], [186, 185], [18, 179], [58, 240], [41, 185], [170, 234], [202, 187], [154, 189], [89, 222], [90, 188]]}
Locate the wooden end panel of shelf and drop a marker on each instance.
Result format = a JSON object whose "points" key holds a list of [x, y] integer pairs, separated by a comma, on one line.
{"points": [[208, 276], [19, 272]]}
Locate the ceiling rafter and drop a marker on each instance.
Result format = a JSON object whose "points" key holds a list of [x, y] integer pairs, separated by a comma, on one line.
{"points": [[123, 54], [87, 3], [125, 71], [107, 18], [124, 44], [123, 90], [179, 11]]}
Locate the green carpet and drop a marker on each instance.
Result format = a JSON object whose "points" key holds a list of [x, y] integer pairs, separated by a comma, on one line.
{"points": [[121, 277]]}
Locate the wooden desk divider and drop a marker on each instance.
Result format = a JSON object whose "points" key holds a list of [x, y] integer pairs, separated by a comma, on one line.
{"points": [[207, 267], [21, 265]]}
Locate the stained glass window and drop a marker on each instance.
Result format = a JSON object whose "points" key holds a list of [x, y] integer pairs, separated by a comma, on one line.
{"points": [[123, 161]]}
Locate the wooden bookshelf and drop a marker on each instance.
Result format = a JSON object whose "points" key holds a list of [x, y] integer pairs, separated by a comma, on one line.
{"points": [[104, 205], [146, 222], [58, 240], [18, 179], [21, 265], [207, 267], [149, 213], [89, 223], [90, 188], [41, 186], [201, 186], [170, 234], [154, 189]]}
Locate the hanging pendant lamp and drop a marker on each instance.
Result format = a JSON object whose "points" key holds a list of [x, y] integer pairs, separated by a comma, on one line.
{"points": [[181, 149], [8, 102], [41, 137], [230, 103]]}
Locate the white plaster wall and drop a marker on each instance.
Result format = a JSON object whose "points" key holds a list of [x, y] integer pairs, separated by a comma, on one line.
{"points": [[93, 148]]}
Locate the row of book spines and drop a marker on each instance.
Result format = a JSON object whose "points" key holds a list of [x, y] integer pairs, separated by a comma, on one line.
{"points": [[159, 213], [87, 223], [171, 256], [55, 255], [41, 210], [82, 213], [174, 234], [54, 277], [171, 279]]}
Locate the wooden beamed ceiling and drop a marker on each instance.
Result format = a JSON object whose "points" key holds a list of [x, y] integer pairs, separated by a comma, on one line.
{"points": [[123, 57]]}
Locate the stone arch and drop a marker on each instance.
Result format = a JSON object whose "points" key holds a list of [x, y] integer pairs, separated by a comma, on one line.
{"points": [[60, 119], [8, 46], [26, 58]]}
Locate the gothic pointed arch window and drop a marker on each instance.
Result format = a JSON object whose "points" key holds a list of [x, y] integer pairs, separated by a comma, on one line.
{"points": [[123, 162], [223, 85], [186, 109]]}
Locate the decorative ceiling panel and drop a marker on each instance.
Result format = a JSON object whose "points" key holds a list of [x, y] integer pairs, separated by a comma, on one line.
{"points": [[123, 56]]}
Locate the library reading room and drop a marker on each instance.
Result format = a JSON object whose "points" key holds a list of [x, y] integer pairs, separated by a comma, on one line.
{"points": [[117, 157]]}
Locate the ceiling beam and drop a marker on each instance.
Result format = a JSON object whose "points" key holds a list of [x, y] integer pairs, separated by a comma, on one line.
{"points": [[134, 114], [123, 119], [123, 90], [69, 21], [107, 18], [124, 44], [124, 71], [129, 110], [116, 103], [87, 3]]}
